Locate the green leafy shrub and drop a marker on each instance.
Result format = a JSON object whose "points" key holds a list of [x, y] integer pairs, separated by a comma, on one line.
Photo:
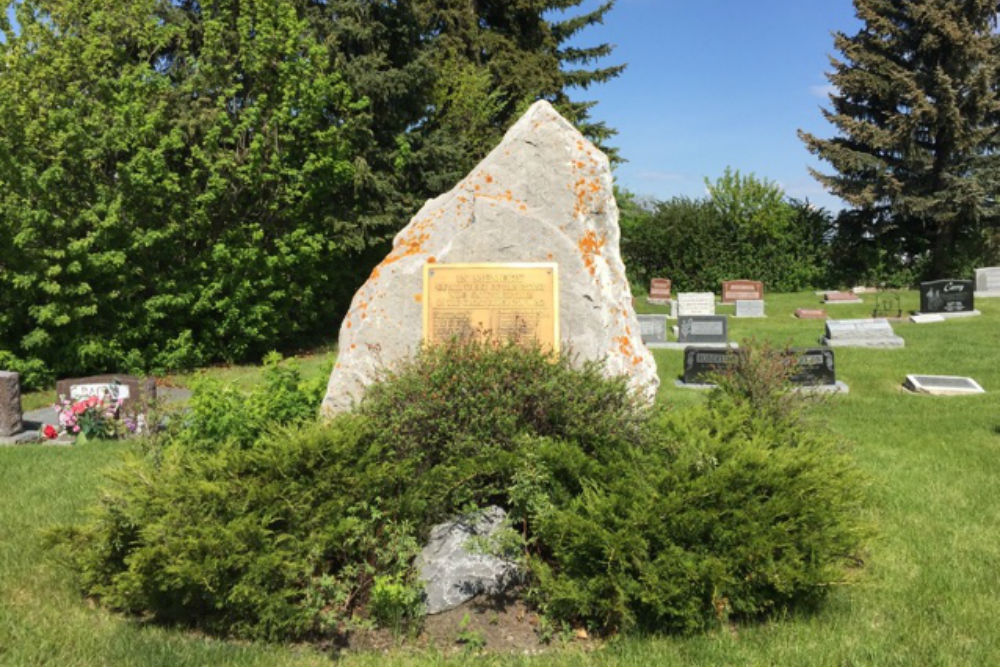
{"points": [[627, 518], [745, 228]]}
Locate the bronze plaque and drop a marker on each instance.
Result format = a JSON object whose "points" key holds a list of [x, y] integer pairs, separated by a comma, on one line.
{"points": [[504, 302]]}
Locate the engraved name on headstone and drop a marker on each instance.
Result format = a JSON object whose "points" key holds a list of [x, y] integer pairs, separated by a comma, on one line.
{"points": [[515, 302], [750, 308], [814, 366], [702, 329], [695, 303], [872, 332], [653, 329], [735, 290], [946, 296]]}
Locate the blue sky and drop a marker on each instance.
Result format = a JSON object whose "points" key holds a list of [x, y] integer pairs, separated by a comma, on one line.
{"points": [[712, 83]]}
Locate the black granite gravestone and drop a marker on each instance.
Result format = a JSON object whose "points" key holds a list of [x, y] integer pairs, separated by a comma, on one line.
{"points": [[700, 362], [814, 366], [946, 296]]}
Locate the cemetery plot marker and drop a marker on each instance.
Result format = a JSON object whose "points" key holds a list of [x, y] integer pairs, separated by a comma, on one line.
{"points": [[842, 297], [747, 290], [703, 329], [810, 313], [659, 291], [860, 333], [108, 387], [10, 403], [947, 298], [988, 281], [942, 385], [517, 302], [750, 308], [695, 303], [653, 329]]}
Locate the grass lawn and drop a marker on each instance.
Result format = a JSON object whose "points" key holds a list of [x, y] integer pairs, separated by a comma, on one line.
{"points": [[929, 593]]}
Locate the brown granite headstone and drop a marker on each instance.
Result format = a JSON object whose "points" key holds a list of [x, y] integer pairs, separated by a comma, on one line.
{"points": [[659, 289], [810, 313], [133, 391], [842, 297], [10, 403], [742, 290]]}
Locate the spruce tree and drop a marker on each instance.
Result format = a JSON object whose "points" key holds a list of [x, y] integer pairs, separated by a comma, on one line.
{"points": [[916, 109]]}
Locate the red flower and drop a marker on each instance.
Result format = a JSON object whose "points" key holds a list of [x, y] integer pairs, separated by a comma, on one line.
{"points": [[50, 431], [80, 408]]}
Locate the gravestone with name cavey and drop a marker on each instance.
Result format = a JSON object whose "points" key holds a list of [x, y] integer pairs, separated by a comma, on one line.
{"points": [[544, 194], [948, 298]]}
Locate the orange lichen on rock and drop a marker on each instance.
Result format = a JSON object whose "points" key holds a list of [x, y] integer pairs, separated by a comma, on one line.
{"points": [[625, 346], [590, 247]]}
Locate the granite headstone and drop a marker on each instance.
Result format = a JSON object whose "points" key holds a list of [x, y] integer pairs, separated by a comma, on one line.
{"points": [[736, 290], [10, 403], [750, 308], [947, 296], [653, 329], [695, 303], [702, 329], [871, 332]]}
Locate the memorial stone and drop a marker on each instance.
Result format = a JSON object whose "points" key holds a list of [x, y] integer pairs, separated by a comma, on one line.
{"points": [[699, 362], [10, 403], [653, 329], [749, 308], [133, 392], [695, 303], [810, 313], [659, 291], [947, 296], [872, 332], [943, 385], [544, 194], [746, 290], [702, 329], [841, 297], [988, 281], [814, 366]]}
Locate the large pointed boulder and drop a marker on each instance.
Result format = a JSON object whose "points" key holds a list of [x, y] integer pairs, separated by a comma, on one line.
{"points": [[544, 194]]}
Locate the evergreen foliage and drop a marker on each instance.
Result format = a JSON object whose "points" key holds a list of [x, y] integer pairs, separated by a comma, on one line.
{"points": [[744, 229], [916, 108], [183, 182], [627, 518]]}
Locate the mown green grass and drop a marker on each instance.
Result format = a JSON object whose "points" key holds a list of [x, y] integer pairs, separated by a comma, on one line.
{"points": [[928, 593]]}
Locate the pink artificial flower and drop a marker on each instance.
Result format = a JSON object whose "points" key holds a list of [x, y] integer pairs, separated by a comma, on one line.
{"points": [[80, 408], [76, 428]]}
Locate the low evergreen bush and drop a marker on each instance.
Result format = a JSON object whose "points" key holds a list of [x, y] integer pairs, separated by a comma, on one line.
{"points": [[629, 518]]}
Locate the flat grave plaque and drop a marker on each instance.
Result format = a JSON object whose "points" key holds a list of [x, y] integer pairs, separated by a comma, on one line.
{"points": [[842, 297], [130, 389], [659, 291], [946, 296], [700, 362], [988, 281], [695, 303], [943, 385], [653, 329], [736, 290], [702, 329], [750, 308], [810, 313], [872, 332], [517, 302]]}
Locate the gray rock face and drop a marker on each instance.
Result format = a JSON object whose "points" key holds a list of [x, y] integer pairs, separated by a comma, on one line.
{"points": [[10, 403], [544, 194], [451, 573]]}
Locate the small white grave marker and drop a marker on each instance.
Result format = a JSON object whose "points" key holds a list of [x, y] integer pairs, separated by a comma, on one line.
{"points": [[943, 385]]}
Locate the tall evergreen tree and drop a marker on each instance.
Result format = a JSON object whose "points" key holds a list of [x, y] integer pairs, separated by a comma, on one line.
{"points": [[493, 58], [916, 106]]}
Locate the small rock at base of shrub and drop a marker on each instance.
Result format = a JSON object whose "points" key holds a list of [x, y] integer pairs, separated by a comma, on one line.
{"points": [[452, 573]]}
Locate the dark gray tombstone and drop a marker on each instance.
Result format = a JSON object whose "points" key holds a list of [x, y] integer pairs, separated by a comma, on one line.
{"points": [[133, 391], [814, 366], [701, 362], [10, 403], [653, 329], [947, 296], [702, 329]]}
